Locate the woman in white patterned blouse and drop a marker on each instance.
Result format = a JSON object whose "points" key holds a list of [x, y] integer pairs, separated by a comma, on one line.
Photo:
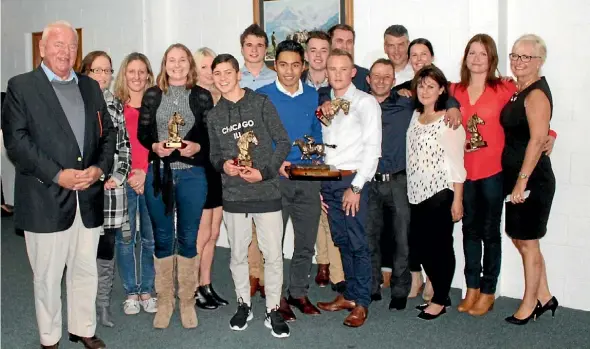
{"points": [[435, 184]]}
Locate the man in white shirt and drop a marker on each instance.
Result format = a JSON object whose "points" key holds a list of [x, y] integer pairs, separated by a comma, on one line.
{"points": [[396, 42], [357, 136]]}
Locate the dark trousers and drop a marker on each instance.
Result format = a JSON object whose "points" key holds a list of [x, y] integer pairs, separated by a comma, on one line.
{"points": [[190, 192], [348, 234], [106, 245], [432, 224], [301, 202], [390, 197], [483, 203]]}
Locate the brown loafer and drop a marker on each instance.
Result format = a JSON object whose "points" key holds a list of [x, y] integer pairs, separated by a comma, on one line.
{"points": [[89, 342], [357, 317], [254, 283], [340, 303], [55, 346], [285, 311], [304, 305], [322, 278]]}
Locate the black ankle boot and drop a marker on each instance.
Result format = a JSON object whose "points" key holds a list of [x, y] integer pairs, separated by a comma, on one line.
{"points": [[204, 299], [220, 301]]}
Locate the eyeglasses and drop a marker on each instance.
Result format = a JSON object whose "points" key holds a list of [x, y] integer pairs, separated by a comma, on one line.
{"points": [[523, 58], [99, 70]]}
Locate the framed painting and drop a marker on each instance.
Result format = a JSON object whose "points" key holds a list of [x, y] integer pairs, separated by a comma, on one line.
{"points": [[294, 19]]}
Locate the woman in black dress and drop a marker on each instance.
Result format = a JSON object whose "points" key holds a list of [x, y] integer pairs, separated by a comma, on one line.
{"points": [[528, 178]]}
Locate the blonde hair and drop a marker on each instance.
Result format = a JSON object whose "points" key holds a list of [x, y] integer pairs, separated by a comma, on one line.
{"points": [[200, 54], [191, 79], [539, 43], [121, 88]]}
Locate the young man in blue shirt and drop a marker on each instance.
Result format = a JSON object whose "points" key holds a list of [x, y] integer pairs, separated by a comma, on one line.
{"points": [[296, 104]]}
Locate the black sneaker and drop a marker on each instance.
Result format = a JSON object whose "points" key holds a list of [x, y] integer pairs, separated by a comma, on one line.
{"points": [[277, 324], [239, 321]]}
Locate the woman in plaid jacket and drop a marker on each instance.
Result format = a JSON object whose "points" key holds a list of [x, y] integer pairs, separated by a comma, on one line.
{"points": [[98, 66]]}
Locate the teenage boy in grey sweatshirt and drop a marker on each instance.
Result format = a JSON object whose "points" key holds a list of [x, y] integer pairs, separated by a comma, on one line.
{"points": [[250, 192]]}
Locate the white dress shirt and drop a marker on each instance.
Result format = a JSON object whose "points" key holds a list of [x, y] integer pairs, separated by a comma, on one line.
{"points": [[284, 90], [357, 136], [434, 158], [404, 75]]}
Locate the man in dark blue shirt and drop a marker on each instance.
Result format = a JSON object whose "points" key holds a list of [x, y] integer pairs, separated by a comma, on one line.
{"points": [[388, 198]]}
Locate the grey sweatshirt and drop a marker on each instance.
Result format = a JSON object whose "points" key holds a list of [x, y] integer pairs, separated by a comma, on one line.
{"points": [[226, 123]]}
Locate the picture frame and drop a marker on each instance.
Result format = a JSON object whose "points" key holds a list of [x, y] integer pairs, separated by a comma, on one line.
{"points": [[283, 19], [36, 37]]}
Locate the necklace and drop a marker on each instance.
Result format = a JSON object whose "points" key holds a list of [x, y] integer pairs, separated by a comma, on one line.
{"points": [[176, 96], [518, 90]]}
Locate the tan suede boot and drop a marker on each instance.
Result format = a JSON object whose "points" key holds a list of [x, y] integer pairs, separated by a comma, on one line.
{"points": [[484, 303], [164, 283], [187, 283], [469, 300]]}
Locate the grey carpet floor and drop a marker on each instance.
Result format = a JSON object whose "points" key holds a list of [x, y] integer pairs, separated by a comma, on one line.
{"points": [[384, 329]]}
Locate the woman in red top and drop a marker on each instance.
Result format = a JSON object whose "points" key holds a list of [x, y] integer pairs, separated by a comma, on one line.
{"points": [[482, 95], [135, 76]]}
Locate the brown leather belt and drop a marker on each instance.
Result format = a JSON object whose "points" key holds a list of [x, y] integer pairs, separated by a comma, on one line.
{"points": [[347, 172]]}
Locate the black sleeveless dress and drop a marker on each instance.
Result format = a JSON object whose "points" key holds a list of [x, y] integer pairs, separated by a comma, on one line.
{"points": [[526, 221]]}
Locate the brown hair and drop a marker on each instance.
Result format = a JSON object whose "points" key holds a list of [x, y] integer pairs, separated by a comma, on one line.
{"points": [[490, 46], [344, 27], [257, 31], [317, 34], [430, 71], [191, 79], [121, 88], [89, 59], [384, 61], [340, 53]]}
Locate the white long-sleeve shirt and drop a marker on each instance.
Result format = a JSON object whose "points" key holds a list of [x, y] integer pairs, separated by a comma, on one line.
{"points": [[434, 158], [357, 136]]}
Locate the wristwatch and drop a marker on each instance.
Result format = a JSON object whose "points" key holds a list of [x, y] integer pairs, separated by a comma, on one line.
{"points": [[355, 189]]}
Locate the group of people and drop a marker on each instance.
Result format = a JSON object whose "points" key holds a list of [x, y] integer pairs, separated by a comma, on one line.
{"points": [[93, 164]]}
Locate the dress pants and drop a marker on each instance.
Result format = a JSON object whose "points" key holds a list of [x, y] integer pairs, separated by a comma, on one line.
{"points": [[48, 254], [388, 201], [327, 252], [269, 227], [348, 233]]}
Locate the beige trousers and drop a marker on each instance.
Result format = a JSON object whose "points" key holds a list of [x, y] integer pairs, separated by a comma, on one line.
{"points": [[269, 235], [48, 254], [327, 252]]}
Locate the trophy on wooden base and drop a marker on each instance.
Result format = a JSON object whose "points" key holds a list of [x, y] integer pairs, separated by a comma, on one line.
{"points": [[335, 106], [174, 140], [476, 141], [316, 170], [244, 158]]}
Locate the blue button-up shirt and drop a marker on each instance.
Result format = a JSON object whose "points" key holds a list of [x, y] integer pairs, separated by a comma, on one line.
{"points": [[396, 114], [52, 76], [252, 82]]}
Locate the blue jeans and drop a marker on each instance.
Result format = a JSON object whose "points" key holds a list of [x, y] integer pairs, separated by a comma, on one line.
{"points": [[483, 202], [350, 237], [190, 192], [126, 259]]}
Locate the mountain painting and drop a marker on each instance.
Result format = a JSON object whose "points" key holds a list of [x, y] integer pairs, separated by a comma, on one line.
{"points": [[293, 19]]}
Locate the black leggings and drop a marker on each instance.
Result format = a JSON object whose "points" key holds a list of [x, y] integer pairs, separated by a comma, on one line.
{"points": [[431, 226], [106, 245]]}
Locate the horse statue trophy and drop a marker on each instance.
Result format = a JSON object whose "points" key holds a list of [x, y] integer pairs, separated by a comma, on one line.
{"points": [[335, 106], [174, 139], [317, 170], [244, 158], [476, 141]]}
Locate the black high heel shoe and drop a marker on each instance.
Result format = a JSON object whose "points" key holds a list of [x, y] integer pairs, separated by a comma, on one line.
{"points": [[427, 316], [516, 321], [552, 305], [421, 307], [220, 301], [204, 299]]}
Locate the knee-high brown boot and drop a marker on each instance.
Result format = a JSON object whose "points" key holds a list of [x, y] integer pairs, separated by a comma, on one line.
{"points": [[164, 283], [187, 283]]}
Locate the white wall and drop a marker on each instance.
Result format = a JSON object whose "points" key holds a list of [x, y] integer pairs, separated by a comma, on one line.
{"points": [[120, 27]]}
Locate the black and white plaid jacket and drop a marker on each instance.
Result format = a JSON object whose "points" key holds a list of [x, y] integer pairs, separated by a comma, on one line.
{"points": [[115, 200]]}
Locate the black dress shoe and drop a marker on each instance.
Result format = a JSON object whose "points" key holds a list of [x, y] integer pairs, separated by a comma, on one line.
{"points": [[55, 346], [427, 316], [398, 303], [204, 299], [339, 287], [220, 301], [89, 342], [375, 297], [19, 232], [421, 307]]}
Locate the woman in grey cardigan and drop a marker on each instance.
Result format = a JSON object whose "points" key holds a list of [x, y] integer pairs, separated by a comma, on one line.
{"points": [[98, 66]]}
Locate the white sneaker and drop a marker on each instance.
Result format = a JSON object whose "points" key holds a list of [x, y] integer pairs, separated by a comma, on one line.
{"points": [[150, 305], [131, 307]]}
